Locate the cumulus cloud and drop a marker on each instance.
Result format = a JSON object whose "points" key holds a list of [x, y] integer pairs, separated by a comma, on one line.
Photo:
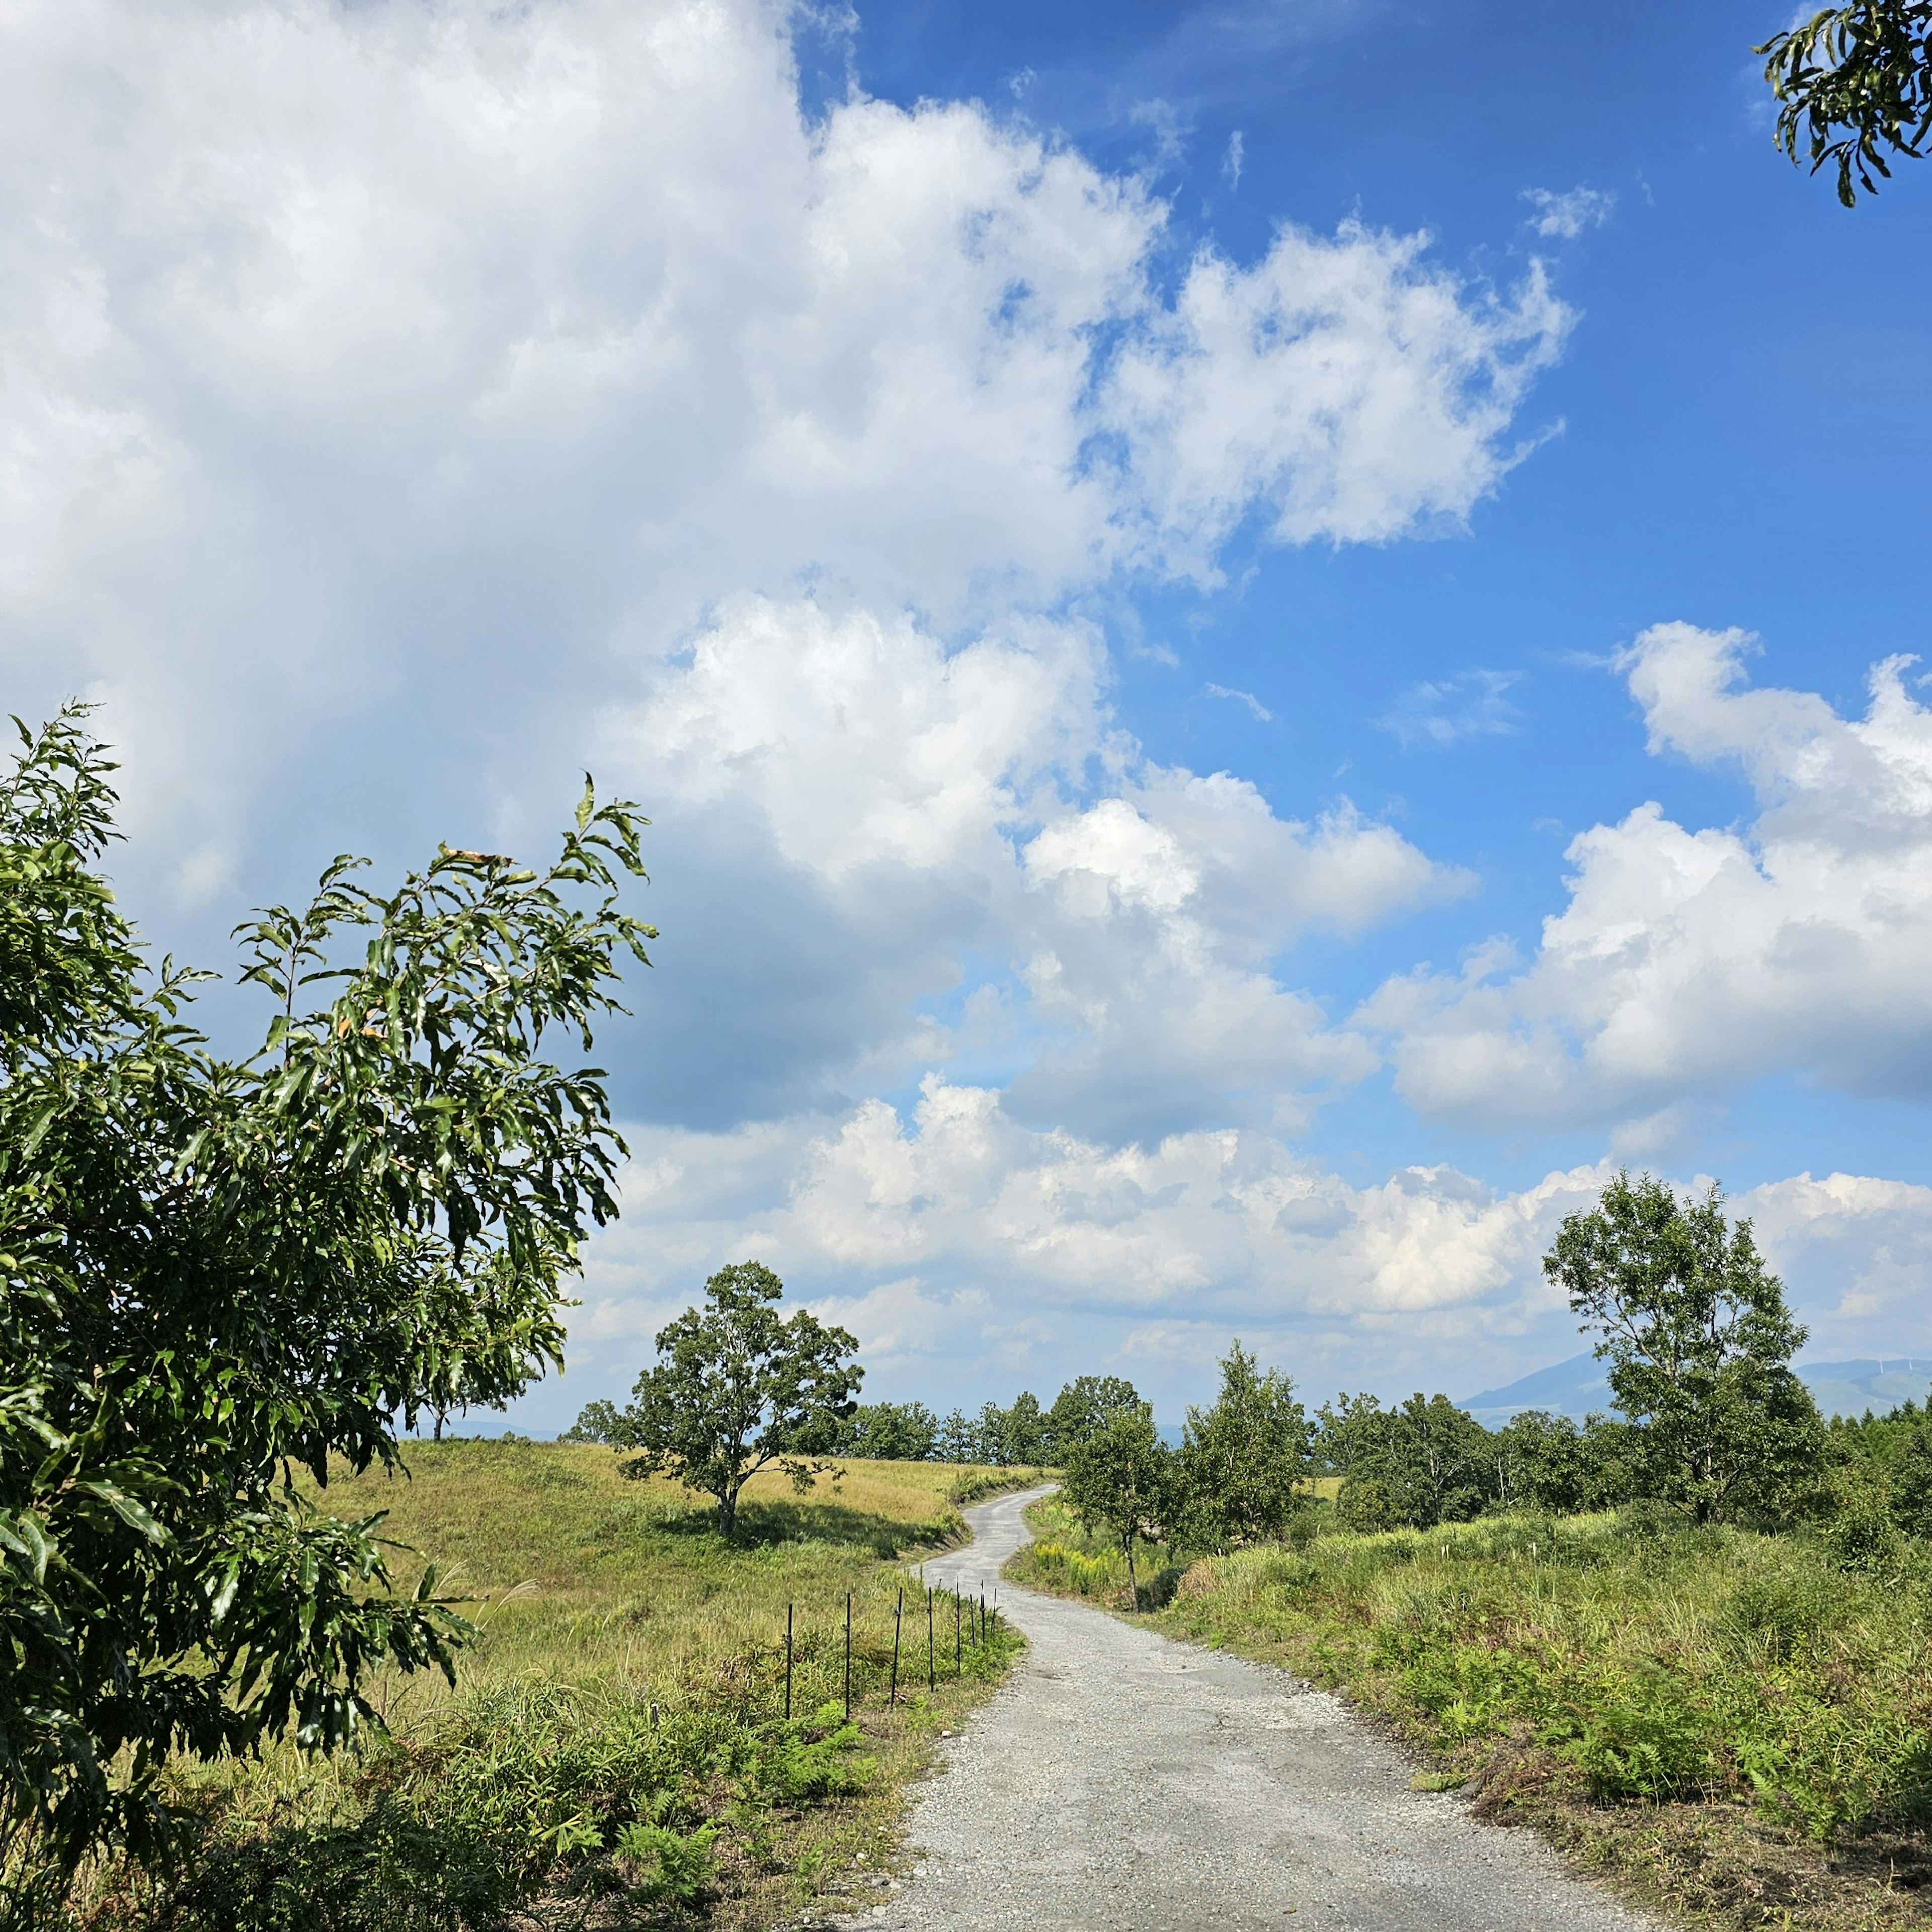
{"points": [[1562, 217], [387, 375], [1691, 961], [965, 1249], [848, 790], [953, 1239]]}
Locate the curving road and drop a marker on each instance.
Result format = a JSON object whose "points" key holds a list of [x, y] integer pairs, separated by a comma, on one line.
{"points": [[1121, 1782]]}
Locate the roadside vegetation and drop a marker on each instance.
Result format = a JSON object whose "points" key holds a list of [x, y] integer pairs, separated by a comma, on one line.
{"points": [[614, 1752], [1688, 1642]]}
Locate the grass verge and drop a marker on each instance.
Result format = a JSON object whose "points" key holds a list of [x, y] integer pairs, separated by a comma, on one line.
{"points": [[1730, 1726], [616, 1752]]}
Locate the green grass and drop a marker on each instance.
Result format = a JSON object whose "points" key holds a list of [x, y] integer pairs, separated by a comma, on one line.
{"points": [[1735, 1725], [615, 1751]]}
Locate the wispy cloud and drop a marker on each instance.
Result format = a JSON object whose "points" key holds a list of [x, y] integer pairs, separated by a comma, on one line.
{"points": [[1472, 706], [1263, 716], [1231, 164], [1562, 217]]}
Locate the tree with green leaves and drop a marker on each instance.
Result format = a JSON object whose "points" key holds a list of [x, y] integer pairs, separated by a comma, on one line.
{"points": [[891, 1432], [1083, 1407], [1699, 1342], [1023, 1433], [1118, 1481], [216, 1274], [598, 1421], [736, 1389], [1242, 1463], [1424, 1463], [1854, 84]]}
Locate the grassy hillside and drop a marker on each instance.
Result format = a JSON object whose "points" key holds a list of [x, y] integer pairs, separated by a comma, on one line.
{"points": [[615, 1751], [1734, 1725]]}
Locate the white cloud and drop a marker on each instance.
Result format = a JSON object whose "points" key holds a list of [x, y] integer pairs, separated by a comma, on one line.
{"points": [[1693, 962], [1230, 162], [972, 1254], [1255, 708], [855, 792], [956, 1240], [366, 366], [1440, 712], [1562, 217]]}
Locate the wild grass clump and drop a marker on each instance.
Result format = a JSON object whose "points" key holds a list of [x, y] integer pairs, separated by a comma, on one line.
{"points": [[617, 1752]]}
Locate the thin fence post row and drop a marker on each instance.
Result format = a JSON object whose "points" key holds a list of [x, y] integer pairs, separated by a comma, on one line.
{"points": [[788, 1611], [958, 1633], [848, 1657], [931, 1674], [898, 1611]]}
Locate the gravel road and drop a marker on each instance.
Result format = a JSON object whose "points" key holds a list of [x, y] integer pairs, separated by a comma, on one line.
{"points": [[1121, 1780]]}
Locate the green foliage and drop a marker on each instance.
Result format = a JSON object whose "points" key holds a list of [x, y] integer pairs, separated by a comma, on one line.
{"points": [[736, 1389], [890, 1431], [1657, 1662], [1424, 1463], [1119, 1480], [530, 1795], [213, 1274], [1083, 1407], [1242, 1462], [596, 1422], [1699, 1342], [1855, 83]]}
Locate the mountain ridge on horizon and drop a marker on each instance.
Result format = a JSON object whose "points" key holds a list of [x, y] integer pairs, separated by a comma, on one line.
{"points": [[1578, 1387]]}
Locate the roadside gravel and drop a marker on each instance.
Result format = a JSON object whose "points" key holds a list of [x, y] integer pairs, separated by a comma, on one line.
{"points": [[1123, 1781]]}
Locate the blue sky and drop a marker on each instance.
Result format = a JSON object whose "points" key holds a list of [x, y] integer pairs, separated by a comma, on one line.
{"points": [[1136, 555]]}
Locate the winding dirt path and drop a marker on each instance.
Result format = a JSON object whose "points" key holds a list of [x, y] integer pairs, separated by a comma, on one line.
{"points": [[1122, 1780]]}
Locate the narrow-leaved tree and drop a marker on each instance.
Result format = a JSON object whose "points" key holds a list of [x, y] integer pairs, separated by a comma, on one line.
{"points": [[216, 1274], [1243, 1462], [1118, 1480]]}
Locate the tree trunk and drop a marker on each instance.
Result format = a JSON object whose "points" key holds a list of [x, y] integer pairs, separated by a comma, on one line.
{"points": [[727, 1512], [1133, 1586]]}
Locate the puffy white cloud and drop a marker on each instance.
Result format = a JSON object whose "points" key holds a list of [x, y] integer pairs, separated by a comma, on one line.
{"points": [[848, 790], [972, 1254], [1690, 961], [1855, 1252], [955, 1240], [379, 380]]}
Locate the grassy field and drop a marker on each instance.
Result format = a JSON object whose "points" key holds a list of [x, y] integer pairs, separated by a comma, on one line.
{"points": [[1732, 1726], [615, 1752]]}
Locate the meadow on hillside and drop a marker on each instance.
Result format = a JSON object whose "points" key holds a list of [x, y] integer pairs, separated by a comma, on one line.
{"points": [[614, 1752]]}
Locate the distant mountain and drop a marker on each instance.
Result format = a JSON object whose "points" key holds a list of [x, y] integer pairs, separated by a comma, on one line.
{"points": [[1577, 1387]]}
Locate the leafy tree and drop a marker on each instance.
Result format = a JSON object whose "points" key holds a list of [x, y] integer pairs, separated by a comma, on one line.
{"points": [[596, 1422], [1083, 1407], [891, 1432], [992, 1434], [736, 1389], [1118, 1481], [1699, 1342], [216, 1273], [1242, 1462], [1024, 1436], [1423, 1463], [1546, 1462], [1854, 83], [959, 1439]]}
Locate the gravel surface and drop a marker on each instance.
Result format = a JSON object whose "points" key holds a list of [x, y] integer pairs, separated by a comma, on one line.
{"points": [[1120, 1779]]}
